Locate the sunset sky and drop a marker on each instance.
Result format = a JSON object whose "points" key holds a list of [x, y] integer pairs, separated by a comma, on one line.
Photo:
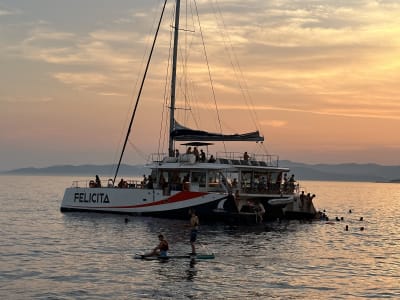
{"points": [[319, 79]]}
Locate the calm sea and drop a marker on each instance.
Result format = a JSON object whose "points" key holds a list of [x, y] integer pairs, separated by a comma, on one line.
{"points": [[49, 255]]}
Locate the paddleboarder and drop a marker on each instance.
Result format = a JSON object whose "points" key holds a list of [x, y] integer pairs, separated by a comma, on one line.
{"points": [[194, 224], [162, 248]]}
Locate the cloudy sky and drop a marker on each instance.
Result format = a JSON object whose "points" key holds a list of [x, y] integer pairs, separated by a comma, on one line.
{"points": [[319, 78]]}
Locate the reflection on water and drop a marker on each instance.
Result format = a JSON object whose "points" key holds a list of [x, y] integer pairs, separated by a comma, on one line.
{"points": [[49, 255]]}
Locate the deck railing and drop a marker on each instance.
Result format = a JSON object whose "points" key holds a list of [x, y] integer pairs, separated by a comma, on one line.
{"points": [[130, 183], [269, 160]]}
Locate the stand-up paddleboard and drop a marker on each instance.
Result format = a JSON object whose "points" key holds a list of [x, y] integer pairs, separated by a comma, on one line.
{"points": [[188, 256]]}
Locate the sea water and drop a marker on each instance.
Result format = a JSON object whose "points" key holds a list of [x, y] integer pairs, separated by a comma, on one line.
{"points": [[46, 254]]}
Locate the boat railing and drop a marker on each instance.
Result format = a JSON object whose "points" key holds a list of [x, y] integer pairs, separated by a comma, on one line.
{"points": [[80, 183], [281, 189], [157, 157], [125, 184], [236, 158]]}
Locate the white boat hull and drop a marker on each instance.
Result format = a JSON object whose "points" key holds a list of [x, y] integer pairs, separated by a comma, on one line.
{"points": [[136, 201]]}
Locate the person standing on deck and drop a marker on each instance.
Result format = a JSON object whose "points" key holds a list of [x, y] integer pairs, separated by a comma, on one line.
{"points": [[246, 156], [196, 153], [98, 182], [194, 224], [202, 156]]}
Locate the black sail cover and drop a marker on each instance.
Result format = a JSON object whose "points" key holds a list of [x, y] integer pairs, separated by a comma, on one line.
{"points": [[181, 133]]}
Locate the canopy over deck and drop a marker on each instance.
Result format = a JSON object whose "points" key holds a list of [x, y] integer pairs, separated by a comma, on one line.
{"points": [[181, 133]]}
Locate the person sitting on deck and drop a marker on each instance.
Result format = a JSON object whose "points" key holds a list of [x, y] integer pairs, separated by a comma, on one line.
{"points": [[161, 249], [212, 159], [121, 183]]}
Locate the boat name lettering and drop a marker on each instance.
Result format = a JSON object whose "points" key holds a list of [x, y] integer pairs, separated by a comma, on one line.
{"points": [[91, 197]]}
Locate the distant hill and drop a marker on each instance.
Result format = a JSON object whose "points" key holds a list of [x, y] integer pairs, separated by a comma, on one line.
{"points": [[343, 172], [334, 172], [90, 170]]}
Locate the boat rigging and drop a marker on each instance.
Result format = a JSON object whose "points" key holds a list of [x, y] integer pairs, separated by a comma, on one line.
{"points": [[228, 187]]}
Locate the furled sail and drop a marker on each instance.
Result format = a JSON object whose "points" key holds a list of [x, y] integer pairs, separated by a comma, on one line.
{"points": [[182, 133]]}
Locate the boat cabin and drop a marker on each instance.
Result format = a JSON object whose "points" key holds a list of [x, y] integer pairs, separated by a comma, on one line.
{"points": [[228, 173]]}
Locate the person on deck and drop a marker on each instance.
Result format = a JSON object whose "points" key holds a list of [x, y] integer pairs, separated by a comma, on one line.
{"points": [[150, 182], [196, 153], [234, 183], [212, 159], [121, 184], [98, 182], [285, 183], [245, 156], [194, 224], [144, 181], [302, 198], [161, 249], [230, 204], [176, 153], [292, 183], [202, 156]]}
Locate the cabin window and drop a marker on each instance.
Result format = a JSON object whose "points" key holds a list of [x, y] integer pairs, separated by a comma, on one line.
{"points": [[153, 174], [213, 177], [163, 179], [233, 179], [276, 181], [246, 180], [176, 180], [199, 178], [215, 181]]}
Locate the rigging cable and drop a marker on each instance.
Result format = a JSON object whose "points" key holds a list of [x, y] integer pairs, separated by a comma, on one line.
{"points": [[163, 129], [191, 92], [142, 154], [140, 91], [240, 77], [209, 72], [187, 91]]}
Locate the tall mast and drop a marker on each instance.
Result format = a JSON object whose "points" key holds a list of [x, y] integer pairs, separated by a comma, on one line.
{"points": [[173, 80]]}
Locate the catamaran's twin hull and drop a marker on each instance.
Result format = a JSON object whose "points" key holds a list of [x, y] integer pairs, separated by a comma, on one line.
{"points": [[147, 202], [140, 201]]}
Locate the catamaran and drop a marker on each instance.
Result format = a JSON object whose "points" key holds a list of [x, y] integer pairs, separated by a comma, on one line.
{"points": [[226, 186]]}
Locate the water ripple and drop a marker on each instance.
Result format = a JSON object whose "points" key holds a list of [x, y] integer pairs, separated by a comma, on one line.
{"points": [[49, 255]]}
